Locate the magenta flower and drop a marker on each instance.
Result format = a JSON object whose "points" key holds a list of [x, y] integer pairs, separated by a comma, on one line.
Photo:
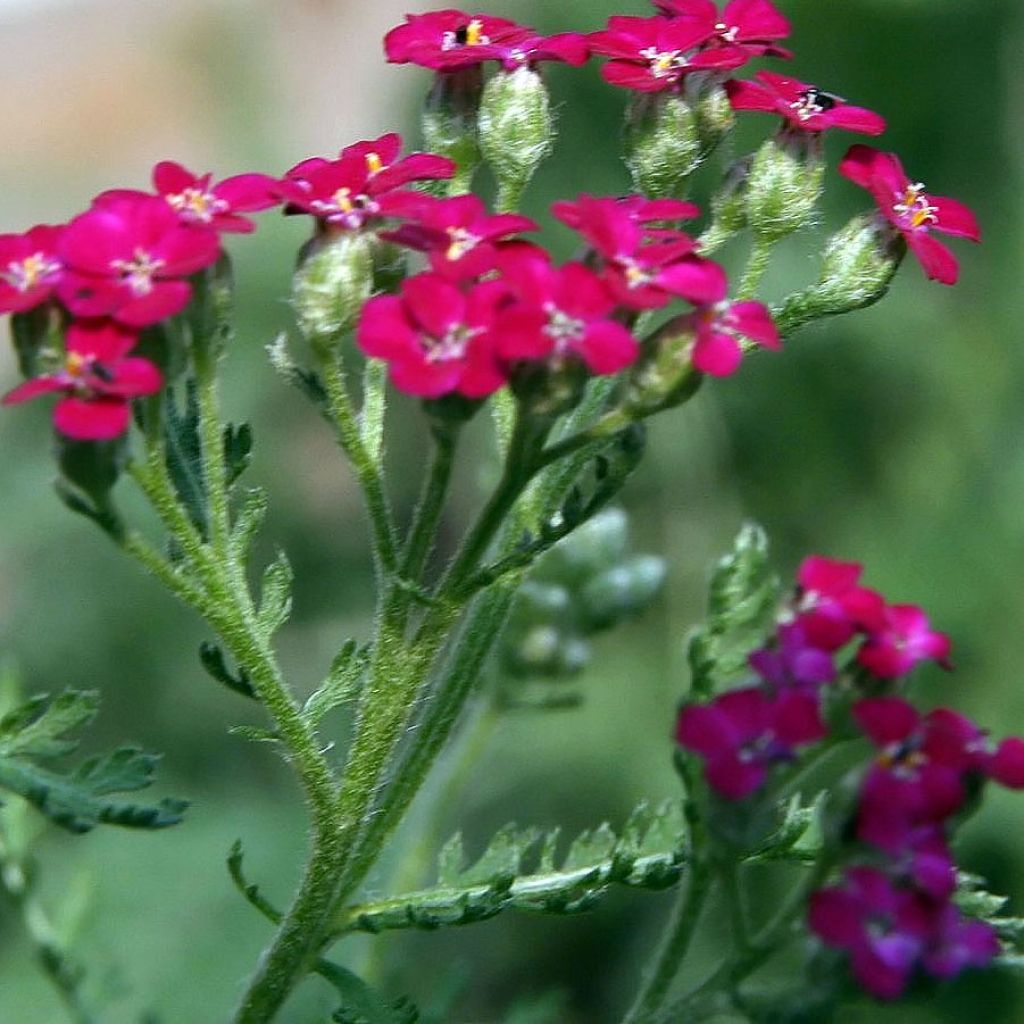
{"points": [[912, 211], [458, 234], [957, 942], [753, 24], [793, 661], [918, 777], [449, 39], [654, 54], [1006, 765], [899, 639], [741, 734], [30, 268], [197, 201], [559, 313], [642, 274], [436, 337], [884, 928], [128, 258], [570, 48], [364, 184], [805, 107], [719, 327], [831, 605], [98, 380]]}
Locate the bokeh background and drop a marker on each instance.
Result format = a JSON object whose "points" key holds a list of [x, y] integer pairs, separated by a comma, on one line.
{"points": [[894, 436]]}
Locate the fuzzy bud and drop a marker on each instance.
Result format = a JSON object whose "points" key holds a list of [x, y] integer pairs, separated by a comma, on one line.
{"points": [[784, 185], [546, 390], [35, 333], [622, 591], [663, 144], [858, 264], [333, 281], [516, 130], [664, 375], [715, 119], [449, 122], [728, 207]]}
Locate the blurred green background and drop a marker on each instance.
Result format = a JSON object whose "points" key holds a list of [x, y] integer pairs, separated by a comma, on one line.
{"points": [[894, 436]]}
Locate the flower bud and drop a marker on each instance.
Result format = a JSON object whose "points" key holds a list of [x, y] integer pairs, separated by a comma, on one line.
{"points": [[663, 144], [728, 207], [333, 281], [547, 390], [784, 185], [621, 591], [449, 122], [715, 119], [516, 130], [664, 375], [858, 264], [538, 601], [35, 333]]}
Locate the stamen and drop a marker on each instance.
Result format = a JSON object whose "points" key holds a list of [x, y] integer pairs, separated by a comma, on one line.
{"points": [[664, 62], [813, 101], [138, 272], [563, 328], [196, 205], [30, 272], [466, 35], [374, 164], [915, 206], [727, 32], [452, 346], [462, 242]]}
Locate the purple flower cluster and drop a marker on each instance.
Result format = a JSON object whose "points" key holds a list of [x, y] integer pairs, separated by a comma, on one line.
{"points": [[893, 910]]}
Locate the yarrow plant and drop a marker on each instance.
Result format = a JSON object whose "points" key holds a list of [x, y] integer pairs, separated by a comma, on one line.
{"points": [[125, 314]]}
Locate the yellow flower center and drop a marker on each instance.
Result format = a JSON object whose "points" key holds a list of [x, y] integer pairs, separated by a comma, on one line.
{"points": [[138, 272], [374, 164], [343, 200], [75, 364], [29, 272], [915, 205], [663, 62], [462, 242], [196, 204]]}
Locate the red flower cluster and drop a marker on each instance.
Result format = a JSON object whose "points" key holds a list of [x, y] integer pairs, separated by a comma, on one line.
{"points": [[893, 911], [449, 40]]}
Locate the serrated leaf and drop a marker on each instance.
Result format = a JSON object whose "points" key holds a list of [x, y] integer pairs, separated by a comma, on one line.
{"points": [[212, 659], [342, 685], [184, 455], [503, 857], [590, 847], [742, 601], [360, 1004], [255, 733], [305, 380], [275, 595], [237, 450], [39, 727], [799, 834], [250, 518]]}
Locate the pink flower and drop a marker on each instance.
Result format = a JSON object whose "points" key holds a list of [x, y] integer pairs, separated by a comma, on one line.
{"points": [[793, 661], [912, 211], [449, 39], [436, 337], [127, 258], [654, 54], [718, 327], [899, 639], [30, 268], [98, 379], [805, 107], [641, 274], [884, 928], [559, 313], [199, 202], [918, 777], [458, 234], [1006, 765], [957, 942], [831, 606], [570, 48], [741, 734], [363, 184], [753, 24]]}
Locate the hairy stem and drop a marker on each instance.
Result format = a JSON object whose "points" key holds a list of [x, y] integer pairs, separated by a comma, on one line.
{"points": [[757, 266]]}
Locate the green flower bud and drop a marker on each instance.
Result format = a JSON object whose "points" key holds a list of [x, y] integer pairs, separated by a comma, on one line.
{"points": [[390, 266], [664, 375], [573, 656], [546, 390], [784, 185], [88, 472], [591, 548], [333, 281], [36, 333], [516, 130], [728, 207], [538, 601], [715, 119], [536, 652], [449, 122], [858, 264], [624, 590], [663, 144]]}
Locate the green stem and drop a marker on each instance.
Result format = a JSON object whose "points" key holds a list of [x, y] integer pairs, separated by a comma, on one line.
{"points": [[371, 417], [431, 504], [346, 424], [65, 975], [757, 265], [675, 947], [212, 443]]}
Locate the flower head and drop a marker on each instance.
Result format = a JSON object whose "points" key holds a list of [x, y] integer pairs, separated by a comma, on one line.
{"points": [[128, 258], [655, 54], [559, 313], [30, 268], [461, 239], [718, 328], [644, 269], [911, 210], [98, 380], [753, 24], [450, 39], [364, 184], [806, 108], [830, 604], [741, 734], [900, 637], [793, 661], [436, 337]]}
